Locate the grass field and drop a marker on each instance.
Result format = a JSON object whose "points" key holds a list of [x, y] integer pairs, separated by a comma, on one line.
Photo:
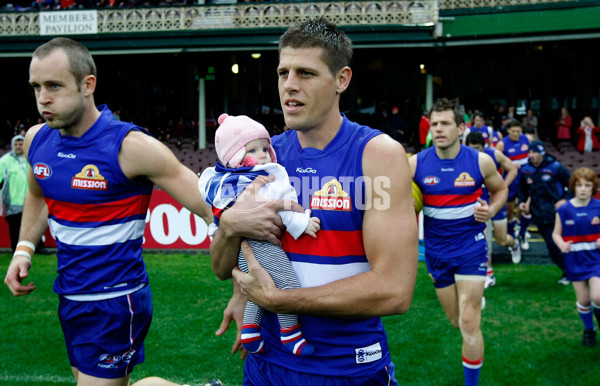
{"points": [[531, 328]]}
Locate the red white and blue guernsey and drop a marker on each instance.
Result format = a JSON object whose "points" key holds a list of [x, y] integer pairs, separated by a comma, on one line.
{"points": [[95, 213], [329, 182], [581, 226], [450, 190], [518, 153]]}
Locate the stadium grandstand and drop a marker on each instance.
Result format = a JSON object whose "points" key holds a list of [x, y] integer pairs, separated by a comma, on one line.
{"points": [[174, 66]]}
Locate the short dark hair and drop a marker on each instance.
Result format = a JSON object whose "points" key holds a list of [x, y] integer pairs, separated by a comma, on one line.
{"points": [[80, 61], [445, 104], [475, 138], [319, 32], [585, 174], [514, 123]]}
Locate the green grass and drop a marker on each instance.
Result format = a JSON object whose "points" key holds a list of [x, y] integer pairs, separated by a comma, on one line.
{"points": [[530, 325]]}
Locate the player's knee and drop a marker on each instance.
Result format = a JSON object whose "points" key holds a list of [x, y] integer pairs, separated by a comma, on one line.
{"points": [[469, 324]]}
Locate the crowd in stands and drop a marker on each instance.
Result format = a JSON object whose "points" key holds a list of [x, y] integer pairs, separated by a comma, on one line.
{"points": [[401, 122], [28, 5]]}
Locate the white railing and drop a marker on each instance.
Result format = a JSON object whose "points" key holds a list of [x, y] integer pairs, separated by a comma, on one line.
{"points": [[239, 16], [260, 15]]}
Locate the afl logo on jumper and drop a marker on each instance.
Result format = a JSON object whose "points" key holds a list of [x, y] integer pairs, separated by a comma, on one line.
{"points": [[89, 178], [42, 171], [331, 197], [431, 180]]}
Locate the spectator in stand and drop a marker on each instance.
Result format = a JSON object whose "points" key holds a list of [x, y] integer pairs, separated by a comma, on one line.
{"points": [[504, 122], [530, 134], [587, 136], [564, 123], [398, 125], [424, 129], [530, 120]]}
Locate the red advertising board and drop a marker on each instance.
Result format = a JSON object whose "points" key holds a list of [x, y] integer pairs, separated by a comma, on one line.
{"points": [[168, 226]]}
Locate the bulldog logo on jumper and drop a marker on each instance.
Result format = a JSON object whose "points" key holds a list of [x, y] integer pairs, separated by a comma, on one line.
{"points": [[89, 178], [464, 180], [331, 197]]}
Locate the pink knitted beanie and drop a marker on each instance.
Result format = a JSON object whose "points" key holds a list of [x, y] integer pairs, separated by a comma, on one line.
{"points": [[232, 136]]}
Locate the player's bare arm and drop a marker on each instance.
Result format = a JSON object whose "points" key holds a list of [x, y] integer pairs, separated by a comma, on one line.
{"points": [[390, 237], [565, 247], [494, 183], [144, 156], [500, 147], [508, 167]]}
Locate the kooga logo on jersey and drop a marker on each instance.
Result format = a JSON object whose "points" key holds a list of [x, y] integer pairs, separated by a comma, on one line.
{"points": [[307, 170]]}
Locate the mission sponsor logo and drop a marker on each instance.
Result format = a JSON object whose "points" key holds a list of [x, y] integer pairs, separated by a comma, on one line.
{"points": [[331, 197], [89, 179], [42, 171], [464, 180]]}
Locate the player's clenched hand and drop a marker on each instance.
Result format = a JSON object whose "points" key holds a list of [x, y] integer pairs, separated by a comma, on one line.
{"points": [[255, 217], [18, 270], [481, 211], [257, 285], [565, 247]]}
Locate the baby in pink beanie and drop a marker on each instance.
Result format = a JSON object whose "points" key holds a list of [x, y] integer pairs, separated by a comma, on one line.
{"points": [[245, 152]]}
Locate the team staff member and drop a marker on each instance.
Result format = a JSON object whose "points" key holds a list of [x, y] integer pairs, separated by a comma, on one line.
{"points": [[363, 263], [543, 189], [90, 181], [450, 176]]}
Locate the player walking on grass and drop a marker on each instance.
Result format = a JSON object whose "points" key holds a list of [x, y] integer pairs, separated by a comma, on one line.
{"points": [[516, 147], [90, 181], [363, 263], [450, 176], [498, 222], [577, 234]]}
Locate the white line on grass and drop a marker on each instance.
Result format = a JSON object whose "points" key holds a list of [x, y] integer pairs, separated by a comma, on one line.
{"points": [[24, 379]]}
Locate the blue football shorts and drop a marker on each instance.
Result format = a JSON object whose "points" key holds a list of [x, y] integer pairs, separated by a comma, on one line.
{"points": [[501, 215], [578, 273], [105, 338], [443, 271], [258, 372]]}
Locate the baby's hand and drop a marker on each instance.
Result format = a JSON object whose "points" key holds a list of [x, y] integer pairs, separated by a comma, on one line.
{"points": [[313, 227]]}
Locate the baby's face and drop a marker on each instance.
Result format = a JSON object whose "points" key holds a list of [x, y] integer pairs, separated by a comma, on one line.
{"points": [[257, 153]]}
